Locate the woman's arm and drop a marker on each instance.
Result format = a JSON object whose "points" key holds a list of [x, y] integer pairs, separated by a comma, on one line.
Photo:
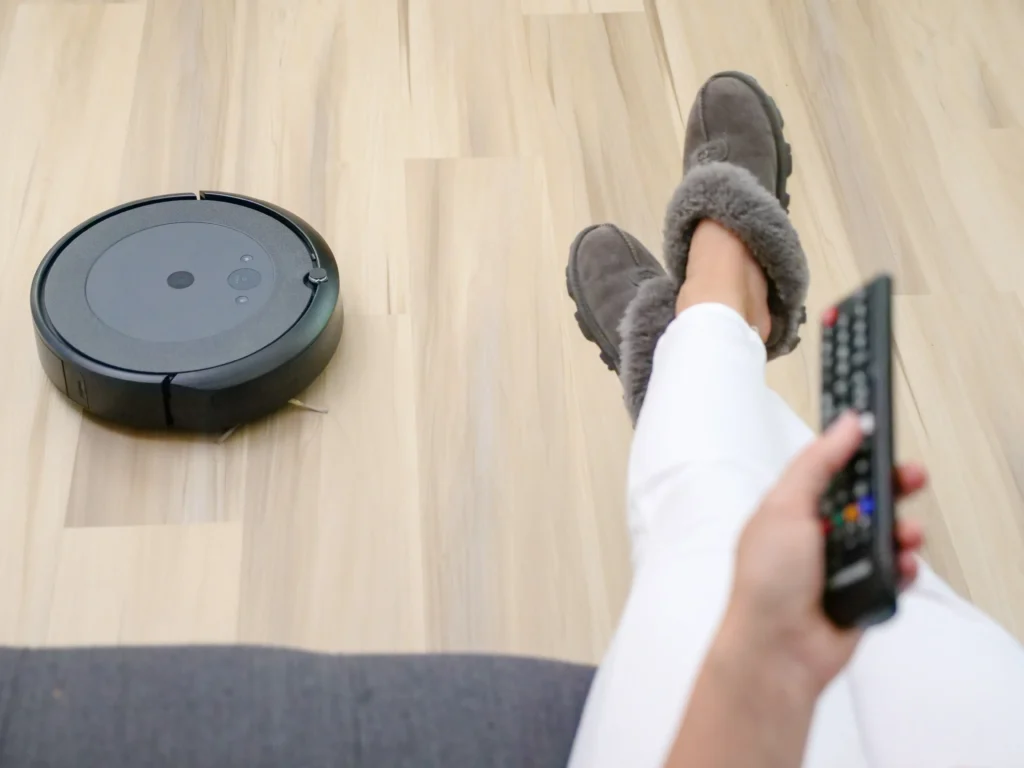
{"points": [[749, 708], [776, 651]]}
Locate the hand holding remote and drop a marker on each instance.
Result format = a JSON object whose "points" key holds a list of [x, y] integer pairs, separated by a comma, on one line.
{"points": [[780, 568]]}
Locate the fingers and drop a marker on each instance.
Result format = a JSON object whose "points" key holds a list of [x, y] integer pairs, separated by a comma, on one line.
{"points": [[908, 569], [910, 478], [813, 469], [909, 535]]}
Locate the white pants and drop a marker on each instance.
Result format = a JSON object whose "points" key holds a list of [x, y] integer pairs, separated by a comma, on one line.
{"points": [[940, 685]]}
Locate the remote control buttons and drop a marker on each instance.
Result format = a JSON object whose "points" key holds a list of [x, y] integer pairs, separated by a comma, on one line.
{"points": [[847, 509], [861, 401], [855, 335], [853, 573], [867, 423]]}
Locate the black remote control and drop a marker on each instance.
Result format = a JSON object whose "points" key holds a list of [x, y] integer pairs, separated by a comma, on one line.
{"points": [[858, 510]]}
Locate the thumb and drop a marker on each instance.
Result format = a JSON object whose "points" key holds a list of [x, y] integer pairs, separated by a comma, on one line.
{"points": [[812, 471]]}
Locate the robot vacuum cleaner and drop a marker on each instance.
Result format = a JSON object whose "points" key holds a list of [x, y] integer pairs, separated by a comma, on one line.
{"points": [[191, 312]]}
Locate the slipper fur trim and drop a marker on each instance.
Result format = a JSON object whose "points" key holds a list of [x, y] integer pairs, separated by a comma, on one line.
{"points": [[731, 195], [647, 316]]}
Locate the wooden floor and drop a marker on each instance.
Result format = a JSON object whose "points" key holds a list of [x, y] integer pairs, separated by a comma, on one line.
{"points": [[465, 490]]}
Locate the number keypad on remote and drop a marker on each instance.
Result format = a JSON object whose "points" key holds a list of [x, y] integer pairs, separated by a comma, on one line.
{"points": [[848, 505], [857, 511]]}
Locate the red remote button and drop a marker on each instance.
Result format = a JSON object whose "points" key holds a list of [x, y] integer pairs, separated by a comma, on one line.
{"points": [[829, 316]]}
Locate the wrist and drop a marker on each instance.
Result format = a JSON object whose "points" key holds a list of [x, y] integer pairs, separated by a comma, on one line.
{"points": [[767, 661], [749, 707]]}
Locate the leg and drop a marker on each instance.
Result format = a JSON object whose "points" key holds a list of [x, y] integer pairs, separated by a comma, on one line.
{"points": [[717, 410], [942, 684], [711, 436], [939, 641], [710, 440]]}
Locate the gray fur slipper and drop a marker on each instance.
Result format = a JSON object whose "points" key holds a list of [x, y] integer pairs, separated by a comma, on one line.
{"points": [[731, 196], [645, 320]]}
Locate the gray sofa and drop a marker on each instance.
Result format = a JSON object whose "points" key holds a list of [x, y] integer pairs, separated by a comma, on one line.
{"points": [[215, 707]]}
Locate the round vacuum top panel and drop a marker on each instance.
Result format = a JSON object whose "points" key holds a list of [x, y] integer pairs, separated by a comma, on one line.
{"points": [[187, 312], [178, 286]]}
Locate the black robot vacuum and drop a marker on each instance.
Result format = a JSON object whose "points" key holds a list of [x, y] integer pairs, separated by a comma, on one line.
{"points": [[192, 312]]}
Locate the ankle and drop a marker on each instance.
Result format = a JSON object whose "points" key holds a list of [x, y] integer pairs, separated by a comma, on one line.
{"points": [[721, 270]]}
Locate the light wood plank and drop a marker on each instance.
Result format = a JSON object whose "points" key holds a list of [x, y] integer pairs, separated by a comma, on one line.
{"points": [[142, 585], [177, 128], [550, 7], [504, 511], [125, 477], [61, 159], [606, 123], [468, 81], [969, 423], [333, 547]]}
